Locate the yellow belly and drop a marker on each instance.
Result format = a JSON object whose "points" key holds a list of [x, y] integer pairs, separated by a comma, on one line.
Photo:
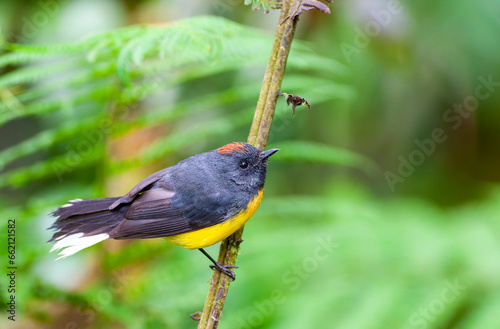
{"points": [[211, 235]]}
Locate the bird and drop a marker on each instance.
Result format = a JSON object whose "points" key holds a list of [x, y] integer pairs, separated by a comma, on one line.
{"points": [[194, 204]]}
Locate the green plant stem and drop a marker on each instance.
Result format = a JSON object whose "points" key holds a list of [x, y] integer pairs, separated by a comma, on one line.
{"points": [[259, 132]]}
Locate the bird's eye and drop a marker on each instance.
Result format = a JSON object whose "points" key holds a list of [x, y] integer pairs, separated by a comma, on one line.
{"points": [[243, 165]]}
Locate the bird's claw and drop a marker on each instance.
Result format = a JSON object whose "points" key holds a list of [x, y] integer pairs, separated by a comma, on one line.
{"points": [[224, 269]]}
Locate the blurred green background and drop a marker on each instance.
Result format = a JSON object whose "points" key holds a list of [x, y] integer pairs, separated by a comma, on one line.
{"points": [[381, 209]]}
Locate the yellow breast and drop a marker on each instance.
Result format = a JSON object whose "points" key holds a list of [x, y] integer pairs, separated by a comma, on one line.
{"points": [[211, 235]]}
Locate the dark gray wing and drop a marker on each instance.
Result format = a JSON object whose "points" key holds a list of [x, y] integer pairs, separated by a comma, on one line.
{"points": [[144, 184], [157, 209], [152, 215]]}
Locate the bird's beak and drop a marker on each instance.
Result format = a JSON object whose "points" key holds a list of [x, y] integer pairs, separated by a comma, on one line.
{"points": [[266, 154]]}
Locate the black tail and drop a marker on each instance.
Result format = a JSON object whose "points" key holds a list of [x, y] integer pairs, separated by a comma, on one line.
{"points": [[82, 223]]}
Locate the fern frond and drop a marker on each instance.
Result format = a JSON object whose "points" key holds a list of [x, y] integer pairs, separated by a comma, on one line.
{"points": [[46, 139], [326, 154], [129, 65], [56, 167]]}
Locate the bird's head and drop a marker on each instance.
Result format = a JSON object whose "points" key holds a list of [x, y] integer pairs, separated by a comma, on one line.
{"points": [[244, 164]]}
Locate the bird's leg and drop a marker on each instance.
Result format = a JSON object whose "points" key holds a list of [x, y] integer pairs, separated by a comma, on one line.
{"points": [[226, 269]]}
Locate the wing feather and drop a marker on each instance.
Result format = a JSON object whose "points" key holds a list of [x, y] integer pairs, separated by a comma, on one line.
{"points": [[151, 215], [143, 185], [155, 209]]}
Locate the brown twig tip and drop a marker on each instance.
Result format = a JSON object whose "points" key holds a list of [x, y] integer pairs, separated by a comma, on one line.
{"points": [[302, 5], [196, 316], [295, 100]]}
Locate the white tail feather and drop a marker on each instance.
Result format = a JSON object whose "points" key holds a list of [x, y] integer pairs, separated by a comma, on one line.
{"points": [[70, 203], [76, 242]]}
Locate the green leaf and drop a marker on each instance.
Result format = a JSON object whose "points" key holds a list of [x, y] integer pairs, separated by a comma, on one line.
{"points": [[302, 151]]}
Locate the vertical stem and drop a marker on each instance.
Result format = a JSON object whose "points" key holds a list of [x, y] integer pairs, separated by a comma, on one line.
{"points": [[259, 133], [275, 71]]}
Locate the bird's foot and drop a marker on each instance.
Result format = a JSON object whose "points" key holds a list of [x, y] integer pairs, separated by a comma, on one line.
{"points": [[226, 269]]}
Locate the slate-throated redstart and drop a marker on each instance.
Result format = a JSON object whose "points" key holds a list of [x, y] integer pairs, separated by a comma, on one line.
{"points": [[194, 204]]}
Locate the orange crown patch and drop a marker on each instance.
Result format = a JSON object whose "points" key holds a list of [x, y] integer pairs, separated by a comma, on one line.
{"points": [[230, 149]]}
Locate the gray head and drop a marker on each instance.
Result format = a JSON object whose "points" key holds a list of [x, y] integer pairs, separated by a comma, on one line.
{"points": [[237, 167], [243, 164]]}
